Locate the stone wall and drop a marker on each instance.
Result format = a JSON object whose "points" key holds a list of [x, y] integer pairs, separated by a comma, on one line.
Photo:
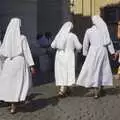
{"points": [[51, 15], [24, 9]]}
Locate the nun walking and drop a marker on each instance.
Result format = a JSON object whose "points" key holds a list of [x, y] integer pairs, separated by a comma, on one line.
{"points": [[15, 76], [65, 42], [1, 60], [96, 70]]}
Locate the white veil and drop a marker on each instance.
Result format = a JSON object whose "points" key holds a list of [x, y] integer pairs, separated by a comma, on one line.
{"points": [[11, 45], [102, 27], [63, 34]]}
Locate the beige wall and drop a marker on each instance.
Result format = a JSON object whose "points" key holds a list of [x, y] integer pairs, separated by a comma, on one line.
{"points": [[89, 7]]}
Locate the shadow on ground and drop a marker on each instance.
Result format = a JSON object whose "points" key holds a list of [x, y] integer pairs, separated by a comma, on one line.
{"points": [[37, 104], [83, 92], [112, 91]]}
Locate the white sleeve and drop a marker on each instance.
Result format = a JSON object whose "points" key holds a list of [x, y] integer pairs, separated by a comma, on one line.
{"points": [[27, 53], [85, 44], [111, 48], [53, 44], [77, 44]]}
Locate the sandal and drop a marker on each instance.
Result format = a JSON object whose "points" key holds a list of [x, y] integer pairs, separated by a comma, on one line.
{"points": [[96, 96], [61, 94], [13, 109]]}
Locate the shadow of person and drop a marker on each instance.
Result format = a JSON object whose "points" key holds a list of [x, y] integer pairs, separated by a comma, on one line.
{"points": [[32, 96], [29, 97], [112, 91], [3, 104], [78, 91], [89, 92], [38, 104]]}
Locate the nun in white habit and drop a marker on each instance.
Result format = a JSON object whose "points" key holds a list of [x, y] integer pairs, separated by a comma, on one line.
{"points": [[96, 70], [15, 76], [1, 60], [65, 42]]}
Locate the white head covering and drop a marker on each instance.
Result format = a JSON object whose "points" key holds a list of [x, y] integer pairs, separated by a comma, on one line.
{"points": [[102, 28], [62, 35], [11, 45]]}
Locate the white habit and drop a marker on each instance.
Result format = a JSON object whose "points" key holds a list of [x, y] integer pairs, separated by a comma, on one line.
{"points": [[65, 57], [15, 76], [96, 70], [1, 61]]}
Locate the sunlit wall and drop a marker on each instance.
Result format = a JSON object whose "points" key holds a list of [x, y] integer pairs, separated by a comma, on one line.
{"points": [[89, 7]]}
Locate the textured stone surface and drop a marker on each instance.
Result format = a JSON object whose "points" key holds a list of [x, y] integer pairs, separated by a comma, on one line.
{"points": [[45, 106]]}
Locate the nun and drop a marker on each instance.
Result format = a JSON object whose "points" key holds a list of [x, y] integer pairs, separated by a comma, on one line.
{"points": [[65, 42], [0, 60], [15, 75], [96, 70]]}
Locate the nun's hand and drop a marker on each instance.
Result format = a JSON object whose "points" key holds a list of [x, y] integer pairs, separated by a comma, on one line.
{"points": [[33, 70], [115, 56]]}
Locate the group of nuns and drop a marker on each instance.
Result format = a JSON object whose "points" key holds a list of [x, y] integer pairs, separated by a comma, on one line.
{"points": [[16, 62], [96, 71]]}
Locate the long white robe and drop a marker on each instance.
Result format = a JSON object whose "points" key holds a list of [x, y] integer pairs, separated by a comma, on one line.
{"points": [[96, 69], [15, 76], [1, 63], [65, 61]]}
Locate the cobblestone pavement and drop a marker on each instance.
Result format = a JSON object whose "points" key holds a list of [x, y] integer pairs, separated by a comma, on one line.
{"points": [[78, 106]]}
